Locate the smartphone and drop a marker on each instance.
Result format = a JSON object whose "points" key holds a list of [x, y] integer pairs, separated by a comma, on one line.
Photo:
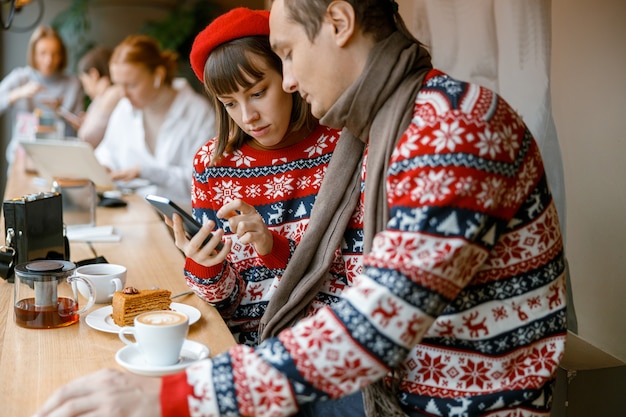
{"points": [[168, 208], [74, 119]]}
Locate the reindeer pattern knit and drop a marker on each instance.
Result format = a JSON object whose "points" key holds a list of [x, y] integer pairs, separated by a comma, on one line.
{"points": [[462, 295], [282, 185]]}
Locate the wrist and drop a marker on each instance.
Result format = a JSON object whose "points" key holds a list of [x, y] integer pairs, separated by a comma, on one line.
{"points": [[267, 246], [14, 96], [279, 254]]}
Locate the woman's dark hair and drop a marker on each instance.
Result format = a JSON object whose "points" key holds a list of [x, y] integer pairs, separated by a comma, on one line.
{"points": [[233, 65], [97, 58]]}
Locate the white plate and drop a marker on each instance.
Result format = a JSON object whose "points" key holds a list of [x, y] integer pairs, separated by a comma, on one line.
{"points": [[101, 319], [130, 358]]}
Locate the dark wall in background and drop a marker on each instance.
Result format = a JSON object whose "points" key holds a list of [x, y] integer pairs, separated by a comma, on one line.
{"points": [[3, 169], [593, 393]]}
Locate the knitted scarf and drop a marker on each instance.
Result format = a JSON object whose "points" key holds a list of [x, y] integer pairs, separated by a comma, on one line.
{"points": [[376, 109]]}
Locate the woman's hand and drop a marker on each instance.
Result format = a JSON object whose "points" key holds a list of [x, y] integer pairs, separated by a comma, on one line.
{"points": [[109, 98], [126, 174], [27, 90], [193, 247], [248, 225]]}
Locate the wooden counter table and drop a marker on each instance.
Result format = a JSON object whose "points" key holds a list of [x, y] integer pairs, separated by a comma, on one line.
{"points": [[36, 362]]}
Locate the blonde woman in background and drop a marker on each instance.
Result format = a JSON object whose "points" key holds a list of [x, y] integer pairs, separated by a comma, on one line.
{"points": [[42, 86]]}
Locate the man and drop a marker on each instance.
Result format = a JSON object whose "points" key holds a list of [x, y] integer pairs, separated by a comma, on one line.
{"points": [[461, 306]]}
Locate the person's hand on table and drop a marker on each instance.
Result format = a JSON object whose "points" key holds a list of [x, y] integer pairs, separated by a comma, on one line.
{"points": [[193, 247], [105, 393], [126, 174], [248, 225]]}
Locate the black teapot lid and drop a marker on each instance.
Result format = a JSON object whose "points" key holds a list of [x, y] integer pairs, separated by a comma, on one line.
{"points": [[46, 265]]}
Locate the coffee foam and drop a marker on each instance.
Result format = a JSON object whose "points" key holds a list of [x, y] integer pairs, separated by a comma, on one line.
{"points": [[162, 318]]}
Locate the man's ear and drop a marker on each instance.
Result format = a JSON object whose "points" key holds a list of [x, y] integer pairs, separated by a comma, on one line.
{"points": [[340, 15]]}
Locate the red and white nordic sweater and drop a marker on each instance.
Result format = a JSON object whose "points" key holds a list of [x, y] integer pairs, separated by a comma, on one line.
{"points": [[463, 293], [282, 185]]}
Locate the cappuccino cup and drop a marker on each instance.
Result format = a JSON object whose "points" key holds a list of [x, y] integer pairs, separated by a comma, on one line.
{"points": [[105, 278], [159, 336]]}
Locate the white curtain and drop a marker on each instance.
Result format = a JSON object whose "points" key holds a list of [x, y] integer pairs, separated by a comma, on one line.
{"points": [[503, 45]]}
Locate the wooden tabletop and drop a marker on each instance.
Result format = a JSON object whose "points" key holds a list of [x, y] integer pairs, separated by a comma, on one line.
{"points": [[35, 362]]}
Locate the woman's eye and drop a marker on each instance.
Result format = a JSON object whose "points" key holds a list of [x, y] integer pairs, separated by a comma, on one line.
{"points": [[258, 94]]}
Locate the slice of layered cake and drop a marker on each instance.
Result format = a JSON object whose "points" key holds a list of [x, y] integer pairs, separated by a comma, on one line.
{"points": [[130, 302]]}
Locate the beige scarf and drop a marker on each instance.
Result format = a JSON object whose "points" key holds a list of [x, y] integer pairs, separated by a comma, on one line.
{"points": [[378, 108]]}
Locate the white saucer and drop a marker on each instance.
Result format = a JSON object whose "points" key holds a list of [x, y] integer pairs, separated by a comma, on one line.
{"points": [[130, 358], [101, 319]]}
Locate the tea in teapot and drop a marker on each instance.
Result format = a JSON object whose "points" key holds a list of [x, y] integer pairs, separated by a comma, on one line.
{"points": [[46, 294]]}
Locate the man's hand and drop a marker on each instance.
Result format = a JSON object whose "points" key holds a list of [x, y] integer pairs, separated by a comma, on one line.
{"points": [[106, 393]]}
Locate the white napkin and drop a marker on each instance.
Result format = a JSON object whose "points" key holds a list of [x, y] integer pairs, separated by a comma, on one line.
{"points": [[92, 234]]}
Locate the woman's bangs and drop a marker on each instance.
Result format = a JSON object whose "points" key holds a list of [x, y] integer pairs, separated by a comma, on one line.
{"points": [[229, 69]]}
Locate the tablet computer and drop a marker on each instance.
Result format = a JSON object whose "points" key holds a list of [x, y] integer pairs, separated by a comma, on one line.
{"points": [[67, 159]]}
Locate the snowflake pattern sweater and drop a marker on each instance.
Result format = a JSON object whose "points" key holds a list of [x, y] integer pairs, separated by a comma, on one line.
{"points": [[463, 294], [282, 185]]}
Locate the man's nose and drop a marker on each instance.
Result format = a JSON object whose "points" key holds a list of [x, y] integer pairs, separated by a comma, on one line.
{"points": [[290, 85]]}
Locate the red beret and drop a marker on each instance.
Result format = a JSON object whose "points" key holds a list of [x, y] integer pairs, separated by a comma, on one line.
{"points": [[237, 23]]}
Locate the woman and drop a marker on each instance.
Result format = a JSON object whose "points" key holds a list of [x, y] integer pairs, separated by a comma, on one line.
{"points": [[159, 124], [257, 180], [41, 88], [93, 73]]}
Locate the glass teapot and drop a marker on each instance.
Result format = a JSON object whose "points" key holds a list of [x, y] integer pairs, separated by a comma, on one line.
{"points": [[46, 295]]}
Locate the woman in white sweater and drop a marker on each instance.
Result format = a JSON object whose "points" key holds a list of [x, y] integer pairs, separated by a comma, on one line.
{"points": [[159, 124]]}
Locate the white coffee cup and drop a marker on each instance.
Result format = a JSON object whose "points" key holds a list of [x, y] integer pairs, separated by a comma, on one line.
{"points": [[105, 278], [159, 336]]}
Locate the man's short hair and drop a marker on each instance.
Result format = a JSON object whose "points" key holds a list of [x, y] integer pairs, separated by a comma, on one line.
{"points": [[374, 17]]}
